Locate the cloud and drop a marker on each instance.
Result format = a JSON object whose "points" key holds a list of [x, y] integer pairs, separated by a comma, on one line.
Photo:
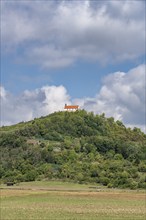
{"points": [[121, 96], [2, 93], [31, 104], [56, 34]]}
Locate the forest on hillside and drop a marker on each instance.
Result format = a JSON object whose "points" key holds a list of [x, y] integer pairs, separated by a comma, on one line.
{"points": [[74, 146]]}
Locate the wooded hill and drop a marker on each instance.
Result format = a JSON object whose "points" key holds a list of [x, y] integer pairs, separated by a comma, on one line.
{"points": [[74, 146]]}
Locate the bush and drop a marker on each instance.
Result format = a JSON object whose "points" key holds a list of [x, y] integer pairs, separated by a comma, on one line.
{"points": [[31, 175], [133, 185], [104, 180]]}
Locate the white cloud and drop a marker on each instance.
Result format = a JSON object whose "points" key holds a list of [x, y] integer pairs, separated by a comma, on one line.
{"points": [[2, 92], [56, 34], [121, 96], [32, 104]]}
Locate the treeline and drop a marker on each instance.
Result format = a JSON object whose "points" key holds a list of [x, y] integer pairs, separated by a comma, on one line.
{"points": [[76, 146]]}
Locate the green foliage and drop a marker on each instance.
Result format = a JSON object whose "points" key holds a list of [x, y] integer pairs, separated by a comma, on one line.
{"points": [[31, 175], [77, 146]]}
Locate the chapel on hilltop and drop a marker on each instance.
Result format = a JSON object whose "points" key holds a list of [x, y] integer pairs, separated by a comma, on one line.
{"points": [[71, 107]]}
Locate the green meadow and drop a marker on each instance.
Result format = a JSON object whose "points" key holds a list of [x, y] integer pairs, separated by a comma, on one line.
{"points": [[68, 201]]}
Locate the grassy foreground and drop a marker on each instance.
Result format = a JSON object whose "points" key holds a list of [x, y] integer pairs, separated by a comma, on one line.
{"points": [[67, 201]]}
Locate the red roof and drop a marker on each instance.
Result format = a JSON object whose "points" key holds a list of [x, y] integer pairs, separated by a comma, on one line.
{"points": [[71, 107]]}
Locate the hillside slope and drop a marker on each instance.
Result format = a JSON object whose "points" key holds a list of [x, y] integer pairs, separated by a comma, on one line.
{"points": [[76, 146]]}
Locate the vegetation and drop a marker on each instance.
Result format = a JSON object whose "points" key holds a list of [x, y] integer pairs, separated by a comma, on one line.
{"points": [[74, 146]]}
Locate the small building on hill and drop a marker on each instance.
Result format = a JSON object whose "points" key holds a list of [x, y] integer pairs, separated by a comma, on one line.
{"points": [[71, 107]]}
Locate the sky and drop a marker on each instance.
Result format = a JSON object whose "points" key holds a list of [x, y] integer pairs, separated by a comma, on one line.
{"points": [[90, 53]]}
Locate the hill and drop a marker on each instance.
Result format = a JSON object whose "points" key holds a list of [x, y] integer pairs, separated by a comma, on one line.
{"points": [[74, 146]]}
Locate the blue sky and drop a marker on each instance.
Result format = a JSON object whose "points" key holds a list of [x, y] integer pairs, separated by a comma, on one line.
{"points": [[87, 52], [81, 79]]}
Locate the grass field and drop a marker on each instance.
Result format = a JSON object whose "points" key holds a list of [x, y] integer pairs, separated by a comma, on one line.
{"points": [[68, 201]]}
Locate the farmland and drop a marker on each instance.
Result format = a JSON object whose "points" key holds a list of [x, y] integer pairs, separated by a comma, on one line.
{"points": [[68, 201]]}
